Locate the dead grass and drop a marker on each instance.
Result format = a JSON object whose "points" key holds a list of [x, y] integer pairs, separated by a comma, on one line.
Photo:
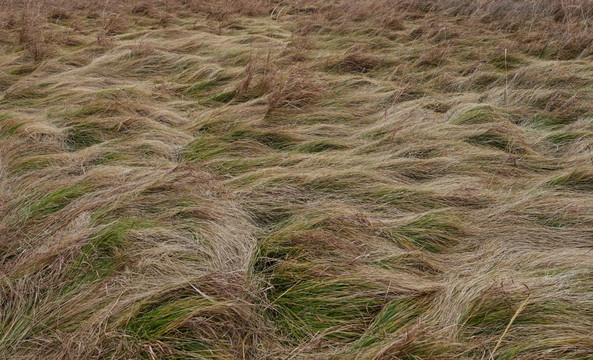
{"points": [[294, 89], [257, 179], [357, 59]]}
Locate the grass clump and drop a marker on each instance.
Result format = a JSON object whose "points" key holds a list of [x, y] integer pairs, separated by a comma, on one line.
{"points": [[8, 130], [293, 90], [100, 257], [491, 138], [154, 323], [30, 163], [574, 180], [434, 232], [358, 59], [274, 139], [101, 107], [81, 136], [224, 97], [318, 146], [305, 308], [203, 149], [56, 200], [404, 198], [498, 139], [566, 137], [541, 121], [478, 115], [395, 317], [196, 90]]}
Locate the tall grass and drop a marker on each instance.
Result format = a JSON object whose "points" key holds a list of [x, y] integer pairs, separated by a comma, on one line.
{"points": [[258, 179]]}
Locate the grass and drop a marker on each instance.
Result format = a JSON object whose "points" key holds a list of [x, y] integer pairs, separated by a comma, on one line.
{"points": [[56, 200], [310, 307], [393, 318], [99, 258], [565, 137], [319, 146], [478, 115], [81, 136], [577, 179], [308, 179], [434, 232]]}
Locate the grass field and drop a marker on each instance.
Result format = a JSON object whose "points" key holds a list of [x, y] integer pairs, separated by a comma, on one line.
{"points": [[244, 179]]}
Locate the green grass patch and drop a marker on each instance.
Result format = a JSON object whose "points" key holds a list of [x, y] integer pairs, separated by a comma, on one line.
{"points": [[319, 146], [555, 220], [309, 307], [304, 237], [102, 107], [544, 122], [373, 134], [234, 143], [488, 316], [81, 136], [197, 90], [10, 129], [490, 138], [344, 182], [502, 62], [565, 137], [153, 323], [478, 115], [204, 148], [237, 166], [168, 319], [100, 256], [495, 139], [5, 116], [413, 261], [435, 232], [57, 200], [110, 158], [407, 199], [395, 317], [224, 97], [30, 163], [575, 180]]}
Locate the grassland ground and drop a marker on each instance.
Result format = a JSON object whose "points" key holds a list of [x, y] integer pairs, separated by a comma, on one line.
{"points": [[296, 180]]}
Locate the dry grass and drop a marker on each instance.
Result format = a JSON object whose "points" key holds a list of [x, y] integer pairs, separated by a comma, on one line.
{"points": [[258, 179]]}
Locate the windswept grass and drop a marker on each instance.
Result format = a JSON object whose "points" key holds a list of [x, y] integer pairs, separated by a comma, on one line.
{"points": [[244, 179]]}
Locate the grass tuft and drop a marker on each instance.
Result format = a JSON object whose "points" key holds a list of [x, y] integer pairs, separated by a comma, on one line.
{"points": [[576, 180], [56, 200]]}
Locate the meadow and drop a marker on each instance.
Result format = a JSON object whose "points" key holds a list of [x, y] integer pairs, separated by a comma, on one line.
{"points": [[296, 179]]}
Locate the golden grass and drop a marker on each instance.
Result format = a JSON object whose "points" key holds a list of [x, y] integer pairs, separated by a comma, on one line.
{"points": [[266, 179]]}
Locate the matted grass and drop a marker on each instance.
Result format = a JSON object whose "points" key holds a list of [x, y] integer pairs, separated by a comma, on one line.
{"points": [[246, 179]]}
